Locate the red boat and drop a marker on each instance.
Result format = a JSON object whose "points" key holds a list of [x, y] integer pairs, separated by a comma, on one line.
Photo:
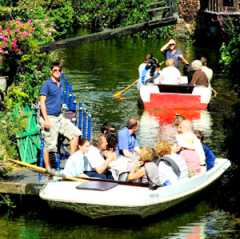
{"points": [[182, 96]]}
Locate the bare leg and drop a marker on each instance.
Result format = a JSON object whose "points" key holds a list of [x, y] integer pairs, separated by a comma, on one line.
{"points": [[73, 144]]}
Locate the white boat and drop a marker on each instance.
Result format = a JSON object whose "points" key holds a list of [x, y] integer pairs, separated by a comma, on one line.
{"points": [[128, 200]]}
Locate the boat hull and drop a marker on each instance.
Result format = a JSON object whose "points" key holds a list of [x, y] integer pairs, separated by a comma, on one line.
{"points": [[152, 98], [128, 200]]}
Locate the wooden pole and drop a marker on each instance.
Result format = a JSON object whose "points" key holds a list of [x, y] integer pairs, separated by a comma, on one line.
{"points": [[70, 178]]}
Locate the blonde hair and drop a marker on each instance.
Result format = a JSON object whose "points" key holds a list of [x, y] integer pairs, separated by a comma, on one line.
{"points": [[146, 154], [163, 148], [169, 62]]}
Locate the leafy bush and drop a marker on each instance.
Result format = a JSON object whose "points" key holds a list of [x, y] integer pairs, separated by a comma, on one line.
{"points": [[110, 13], [230, 54]]}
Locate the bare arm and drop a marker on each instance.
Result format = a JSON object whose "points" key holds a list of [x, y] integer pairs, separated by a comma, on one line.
{"points": [[184, 60], [164, 47], [128, 154], [136, 174], [44, 111], [110, 156]]}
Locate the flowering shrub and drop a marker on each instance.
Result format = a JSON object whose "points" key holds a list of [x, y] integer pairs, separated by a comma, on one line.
{"points": [[14, 36]]}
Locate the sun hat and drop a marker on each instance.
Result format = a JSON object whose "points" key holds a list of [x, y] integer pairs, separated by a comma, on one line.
{"points": [[196, 65], [185, 141]]}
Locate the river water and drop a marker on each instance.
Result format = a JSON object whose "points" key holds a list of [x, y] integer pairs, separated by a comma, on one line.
{"points": [[97, 70]]}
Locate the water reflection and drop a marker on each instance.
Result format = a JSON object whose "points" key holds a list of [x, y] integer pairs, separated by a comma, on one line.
{"points": [[155, 123], [195, 224], [216, 224]]}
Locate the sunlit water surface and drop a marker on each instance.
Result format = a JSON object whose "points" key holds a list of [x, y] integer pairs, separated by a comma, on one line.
{"points": [[97, 70]]}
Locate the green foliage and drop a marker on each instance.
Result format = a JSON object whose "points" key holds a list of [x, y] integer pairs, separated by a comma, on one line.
{"points": [[110, 13], [230, 54], [57, 16], [63, 16], [10, 126]]}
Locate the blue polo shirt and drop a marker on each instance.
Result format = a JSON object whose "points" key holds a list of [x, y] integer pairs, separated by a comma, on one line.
{"points": [[173, 55], [126, 140], [53, 92]]}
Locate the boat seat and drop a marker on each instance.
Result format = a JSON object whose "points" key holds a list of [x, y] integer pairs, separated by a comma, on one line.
{"points": [[97, 185], [182, 88]]}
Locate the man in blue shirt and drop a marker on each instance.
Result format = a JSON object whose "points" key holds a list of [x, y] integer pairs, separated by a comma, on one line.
{"points": [[52, 121], [127, 143], [171, 52]]}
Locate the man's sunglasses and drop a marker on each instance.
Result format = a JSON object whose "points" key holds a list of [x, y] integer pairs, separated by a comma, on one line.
{"points": [[56, 70]]}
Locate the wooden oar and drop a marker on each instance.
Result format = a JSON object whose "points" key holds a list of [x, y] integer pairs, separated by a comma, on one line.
{"points": [[119, 93], [70, 178], [44, 170]]}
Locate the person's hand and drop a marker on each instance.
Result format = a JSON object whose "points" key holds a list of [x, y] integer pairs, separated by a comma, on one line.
{"points": [[110, 155], [47, 124]]}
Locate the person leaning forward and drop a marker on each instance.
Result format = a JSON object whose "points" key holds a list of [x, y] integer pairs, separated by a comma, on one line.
{"points": [[127, 143], [52, 120]]}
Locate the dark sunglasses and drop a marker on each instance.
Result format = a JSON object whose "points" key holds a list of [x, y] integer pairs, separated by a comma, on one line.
{"points": [[56, 70]]}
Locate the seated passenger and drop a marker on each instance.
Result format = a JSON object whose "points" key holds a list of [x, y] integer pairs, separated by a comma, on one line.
{"points": [[110, 133], [189, 153], [199, 77], [143, 71], [127, 142], [201, 83], [170, 150], [98, 166], [210, 156], [138, 172], [170, 75], [185, 133], [76, 163]]}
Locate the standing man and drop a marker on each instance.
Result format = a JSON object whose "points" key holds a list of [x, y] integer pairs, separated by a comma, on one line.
{"points": [[52, 121], [170, 51], [127, 143]]}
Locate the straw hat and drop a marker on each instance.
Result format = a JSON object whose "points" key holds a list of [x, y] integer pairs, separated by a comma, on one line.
{"points": [[196, 65]]}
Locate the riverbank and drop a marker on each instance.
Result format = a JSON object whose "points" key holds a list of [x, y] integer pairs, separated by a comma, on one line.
{"points": [[21, 181]]}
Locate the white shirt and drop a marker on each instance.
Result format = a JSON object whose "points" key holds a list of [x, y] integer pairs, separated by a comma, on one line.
{"points": [[75, 164], [170, 75], [181, 164], [209, 72], [95, 158], [166, 173]]}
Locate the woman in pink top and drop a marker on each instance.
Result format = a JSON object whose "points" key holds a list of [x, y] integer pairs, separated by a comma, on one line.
{"points": [[189, 154]]}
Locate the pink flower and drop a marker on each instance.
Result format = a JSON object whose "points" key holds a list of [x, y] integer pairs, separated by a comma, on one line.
{"points": [[14, 43], [24, 34], [18, 22]]}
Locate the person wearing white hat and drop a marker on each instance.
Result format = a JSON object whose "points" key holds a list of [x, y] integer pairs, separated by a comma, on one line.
{"points": [[201, 82]]}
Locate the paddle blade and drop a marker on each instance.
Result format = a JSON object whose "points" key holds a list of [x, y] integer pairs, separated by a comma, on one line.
{"points": [[117, 94]]}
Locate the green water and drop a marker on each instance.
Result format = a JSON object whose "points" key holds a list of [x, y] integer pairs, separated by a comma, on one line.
{"points": [[97, 70]]}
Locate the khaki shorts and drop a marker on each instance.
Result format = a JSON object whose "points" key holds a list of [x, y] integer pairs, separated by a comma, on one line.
{"points": [[59, 125]]}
